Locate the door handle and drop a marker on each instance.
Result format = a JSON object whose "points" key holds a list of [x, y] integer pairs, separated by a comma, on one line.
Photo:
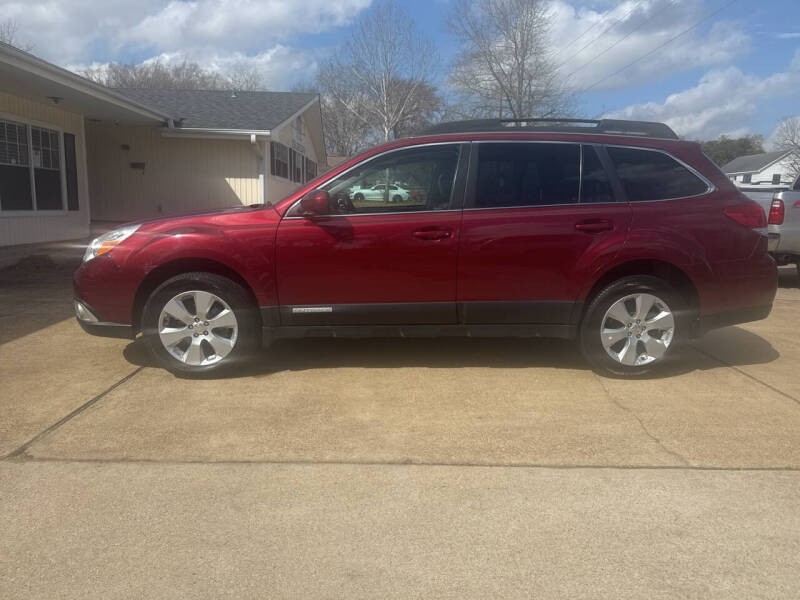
{"points": [[594, 225], [432, 234]]}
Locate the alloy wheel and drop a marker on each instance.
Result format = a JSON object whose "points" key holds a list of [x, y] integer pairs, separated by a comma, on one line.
{"points": [[198, 328], [637, 329]]}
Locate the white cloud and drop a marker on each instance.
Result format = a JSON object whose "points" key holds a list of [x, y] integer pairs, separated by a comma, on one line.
{"points": [[721, 103], [615, 38], [792, 35], [216, 33]]}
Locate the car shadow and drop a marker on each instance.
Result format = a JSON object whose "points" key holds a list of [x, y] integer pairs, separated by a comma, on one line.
{"points": [[732, 346]]}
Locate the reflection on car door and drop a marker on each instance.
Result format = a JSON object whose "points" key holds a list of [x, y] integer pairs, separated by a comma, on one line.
{"points": [[534, 231], [382, 264]]}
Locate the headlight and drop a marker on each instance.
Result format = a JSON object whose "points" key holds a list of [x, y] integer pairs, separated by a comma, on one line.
{"points": [[108, 241]]}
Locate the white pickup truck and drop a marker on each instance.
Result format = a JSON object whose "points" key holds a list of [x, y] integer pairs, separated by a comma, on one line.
{"points": [[783, 223]]}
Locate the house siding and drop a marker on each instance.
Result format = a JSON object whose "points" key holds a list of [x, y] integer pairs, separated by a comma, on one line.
{"points": [[180, 174], [764, 177], [278, 187], [42, 227]]}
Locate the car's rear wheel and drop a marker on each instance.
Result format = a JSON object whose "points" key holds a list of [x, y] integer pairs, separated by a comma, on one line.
{"points": [[359, 197], [199, 323], [632, 326], [397, 198]]}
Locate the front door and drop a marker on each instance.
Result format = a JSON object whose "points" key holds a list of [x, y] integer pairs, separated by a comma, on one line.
{"points": [[534, 231], [378, 258]]}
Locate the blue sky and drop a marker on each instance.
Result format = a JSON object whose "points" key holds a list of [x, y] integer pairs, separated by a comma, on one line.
{"points": [[739, 72]]}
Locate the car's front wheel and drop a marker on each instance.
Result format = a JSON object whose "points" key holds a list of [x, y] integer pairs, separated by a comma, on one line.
{"points": [[200, 322], [632, 326]]}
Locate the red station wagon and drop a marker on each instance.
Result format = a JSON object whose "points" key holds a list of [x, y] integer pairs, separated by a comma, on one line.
{"points": [[615, 234]]}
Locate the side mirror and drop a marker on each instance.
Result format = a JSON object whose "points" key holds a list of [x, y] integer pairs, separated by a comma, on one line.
{"points": [[315, 203]]}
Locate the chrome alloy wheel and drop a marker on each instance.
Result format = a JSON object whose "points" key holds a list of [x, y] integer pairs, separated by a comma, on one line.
{"points": [[637, 329], [198, 328]]}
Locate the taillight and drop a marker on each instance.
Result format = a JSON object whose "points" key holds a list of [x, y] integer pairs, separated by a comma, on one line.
{"points": [[776, 212], [749, 214], [796, 204]]}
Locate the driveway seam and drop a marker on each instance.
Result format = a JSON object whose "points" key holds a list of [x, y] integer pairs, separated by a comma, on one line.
{"points": [[86, 405], [26, 459], [752, 377], [630, 411]]}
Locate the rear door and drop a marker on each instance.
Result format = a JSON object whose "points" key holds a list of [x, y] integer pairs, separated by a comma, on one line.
{"points": [[374, 259], [540, 219]]}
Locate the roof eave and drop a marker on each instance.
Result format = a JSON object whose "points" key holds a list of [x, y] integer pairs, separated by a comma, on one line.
{"points": [[36, 66]]}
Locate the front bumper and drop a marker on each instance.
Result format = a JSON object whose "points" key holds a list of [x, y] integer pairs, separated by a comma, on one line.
{"points": [[92, 323]]}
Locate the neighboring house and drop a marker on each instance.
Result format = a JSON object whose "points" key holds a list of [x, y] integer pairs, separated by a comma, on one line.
{"points": [[73, 151], [766, 170]]}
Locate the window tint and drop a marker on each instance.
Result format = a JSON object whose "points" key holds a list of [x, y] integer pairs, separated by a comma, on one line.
{"points": [[650, 175], [405, 180], [522, 174], [595, 184]]}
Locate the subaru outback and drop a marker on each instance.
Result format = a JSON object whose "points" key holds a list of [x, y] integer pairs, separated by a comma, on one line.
{"points": [[614, 234]]}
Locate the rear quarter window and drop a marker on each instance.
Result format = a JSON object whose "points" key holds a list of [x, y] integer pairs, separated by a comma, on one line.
{"points": [[650, 175]]}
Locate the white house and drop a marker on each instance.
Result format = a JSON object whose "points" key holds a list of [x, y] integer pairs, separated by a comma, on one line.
{"points": [[73, 151], [771, 170]]}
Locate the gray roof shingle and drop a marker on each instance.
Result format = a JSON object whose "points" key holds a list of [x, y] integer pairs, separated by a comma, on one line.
{"points": [[221, 109], [753, 163]]}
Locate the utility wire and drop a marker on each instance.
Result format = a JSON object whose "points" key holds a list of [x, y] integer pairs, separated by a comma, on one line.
{"points": [[657, 48], [601, 20], [622, 39], [602, 33]]}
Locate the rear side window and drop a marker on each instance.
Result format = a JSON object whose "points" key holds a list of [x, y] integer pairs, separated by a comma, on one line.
{"points": [[649, 175], [521, 174], [595, 184]]}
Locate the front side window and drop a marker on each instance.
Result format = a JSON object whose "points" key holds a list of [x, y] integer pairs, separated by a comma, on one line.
{"points": [[416, 179], [527, 174], [651, 175]]}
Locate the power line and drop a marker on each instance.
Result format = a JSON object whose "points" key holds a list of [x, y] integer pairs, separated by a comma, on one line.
{"points": [[602, 19], [622, 39], [602, 33], [657, 48]]}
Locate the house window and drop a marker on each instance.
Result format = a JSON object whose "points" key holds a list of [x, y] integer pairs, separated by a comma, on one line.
{"points": [[776, 179], [280, 159], [297, 129], [311, 169], [296, 166], [31, 168], [47, 169], [747, 178]]}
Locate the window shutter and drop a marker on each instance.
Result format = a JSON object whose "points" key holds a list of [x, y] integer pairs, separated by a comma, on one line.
{"points": [[71, 165]]}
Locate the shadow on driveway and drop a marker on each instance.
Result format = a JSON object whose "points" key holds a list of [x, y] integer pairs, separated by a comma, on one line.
{"points": [[326, 353]]}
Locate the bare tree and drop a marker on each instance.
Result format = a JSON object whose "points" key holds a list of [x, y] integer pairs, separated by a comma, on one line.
{"points": [[9, 30], [183, 76], [345, 133], [787, 137], [244, 78], [378, 72], [504, 69], [425, 108]]}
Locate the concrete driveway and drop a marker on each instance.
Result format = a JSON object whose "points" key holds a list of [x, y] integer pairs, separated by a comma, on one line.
{"points": [[396, 468]]}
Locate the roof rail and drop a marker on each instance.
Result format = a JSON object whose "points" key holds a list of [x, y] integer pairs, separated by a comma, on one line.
{"points": [[556, 125]]}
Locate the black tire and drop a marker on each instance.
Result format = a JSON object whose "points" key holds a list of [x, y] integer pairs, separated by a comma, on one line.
{"points": [[237, 298], [397, 198], [359, 197], [589, 336]]}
